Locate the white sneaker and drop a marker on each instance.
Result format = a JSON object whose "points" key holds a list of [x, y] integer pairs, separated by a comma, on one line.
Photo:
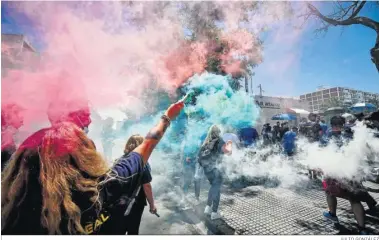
{"points": [[215, 215], [208, 210]]}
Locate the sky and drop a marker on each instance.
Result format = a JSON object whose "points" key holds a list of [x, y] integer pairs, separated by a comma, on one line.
{"points": [[341, 57]]}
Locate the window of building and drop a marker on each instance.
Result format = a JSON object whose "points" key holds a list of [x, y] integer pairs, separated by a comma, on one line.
{"points": [[333, 90], [309, 95], [325, 91], [334, 94], [313, 94]]}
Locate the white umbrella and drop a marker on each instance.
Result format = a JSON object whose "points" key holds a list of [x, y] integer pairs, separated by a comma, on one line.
{"points": [[348, 116]]}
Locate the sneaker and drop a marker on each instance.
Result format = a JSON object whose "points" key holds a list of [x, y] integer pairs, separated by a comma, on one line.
{"points": [[215, 215], [208, 210], [328, 216]]}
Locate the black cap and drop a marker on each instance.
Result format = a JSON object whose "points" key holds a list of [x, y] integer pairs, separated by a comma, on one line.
{"points": [[337, 121]]}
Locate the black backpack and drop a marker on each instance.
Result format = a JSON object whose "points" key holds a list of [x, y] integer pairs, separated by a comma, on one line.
{"points": [[208, 153], [115, 206]]}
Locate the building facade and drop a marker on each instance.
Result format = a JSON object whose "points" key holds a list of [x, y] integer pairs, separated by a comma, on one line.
{"points": [[16, 53], [322, 97], [270, 106]]}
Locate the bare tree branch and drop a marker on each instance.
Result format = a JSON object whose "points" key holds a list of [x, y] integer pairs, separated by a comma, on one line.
{"points": [[349, 21]]}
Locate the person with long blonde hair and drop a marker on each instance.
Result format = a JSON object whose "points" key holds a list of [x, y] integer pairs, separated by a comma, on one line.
{"points": [[57, 183], [209, 157]]}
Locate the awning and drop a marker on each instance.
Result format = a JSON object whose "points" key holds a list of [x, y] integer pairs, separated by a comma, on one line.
{"points": [[284, 117], [301, 112]]}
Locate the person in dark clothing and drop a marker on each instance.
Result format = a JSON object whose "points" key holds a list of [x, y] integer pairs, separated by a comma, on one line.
{"points": [[276, 132], [350, 190], [70, 188], [283, 129], [266, 134], [210, 155], [133, 220], [314, 129]]}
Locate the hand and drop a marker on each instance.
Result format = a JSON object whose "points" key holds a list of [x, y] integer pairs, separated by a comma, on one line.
{"points": [[228, 147], [153, 210], [173, 111], [188, 159]]}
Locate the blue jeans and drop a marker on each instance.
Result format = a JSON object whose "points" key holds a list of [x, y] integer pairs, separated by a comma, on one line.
{"points": [[214, 194]]}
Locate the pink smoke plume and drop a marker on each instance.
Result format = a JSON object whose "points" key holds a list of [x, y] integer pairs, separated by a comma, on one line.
{"points": [[106, 53]]}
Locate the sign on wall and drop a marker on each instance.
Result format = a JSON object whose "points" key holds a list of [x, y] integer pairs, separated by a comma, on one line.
{"points": [[272, 105]]}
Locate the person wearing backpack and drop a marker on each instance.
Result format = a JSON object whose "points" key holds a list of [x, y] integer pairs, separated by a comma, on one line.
{"points": [[210, 155], [57, 183]]}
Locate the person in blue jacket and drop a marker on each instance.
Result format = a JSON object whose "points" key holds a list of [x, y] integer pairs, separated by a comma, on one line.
{"points": [[288, 141], [248, 136]]}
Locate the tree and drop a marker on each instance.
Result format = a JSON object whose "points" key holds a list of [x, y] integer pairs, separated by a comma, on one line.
{"points": [[346, 14], [202, 18]]}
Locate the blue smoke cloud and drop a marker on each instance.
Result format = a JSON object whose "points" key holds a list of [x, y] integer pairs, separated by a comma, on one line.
{"points": [[215, 103]]}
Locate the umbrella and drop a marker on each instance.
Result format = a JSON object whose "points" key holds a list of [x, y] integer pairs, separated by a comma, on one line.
{"points": [[284, 116], [360, 107]]}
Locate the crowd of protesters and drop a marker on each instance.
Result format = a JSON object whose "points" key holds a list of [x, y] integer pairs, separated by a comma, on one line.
{"points": [[55, 182]]}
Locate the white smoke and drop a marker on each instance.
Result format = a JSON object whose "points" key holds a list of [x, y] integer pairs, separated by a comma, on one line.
{"points": [[354, 160]]}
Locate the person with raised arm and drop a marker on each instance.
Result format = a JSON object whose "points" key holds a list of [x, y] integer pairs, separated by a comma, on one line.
{"points": [[57, 183]]}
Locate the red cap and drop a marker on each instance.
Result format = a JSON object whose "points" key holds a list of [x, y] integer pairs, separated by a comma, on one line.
{"points": [[62, 137]]}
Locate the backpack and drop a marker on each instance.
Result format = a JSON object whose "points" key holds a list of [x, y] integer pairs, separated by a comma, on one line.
{"points": [[208, 153], [115, 206]]}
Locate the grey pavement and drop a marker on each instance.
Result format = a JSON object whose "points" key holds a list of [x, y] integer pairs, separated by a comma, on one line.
{"points": [[259, 210]]}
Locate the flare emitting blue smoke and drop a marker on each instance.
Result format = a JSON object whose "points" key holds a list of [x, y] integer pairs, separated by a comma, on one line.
{"points": [[219, 104], [216, 103]]}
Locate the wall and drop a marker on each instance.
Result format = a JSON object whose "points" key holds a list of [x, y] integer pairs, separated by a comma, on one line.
{"points": [[271, 106]]}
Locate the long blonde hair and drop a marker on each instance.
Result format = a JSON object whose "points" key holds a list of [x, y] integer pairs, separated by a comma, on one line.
{"points": [[67, 160], [133, 142], [214, 133]]}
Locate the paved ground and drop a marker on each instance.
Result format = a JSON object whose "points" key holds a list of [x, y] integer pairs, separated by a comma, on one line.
{"points": [[256, 210]]}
